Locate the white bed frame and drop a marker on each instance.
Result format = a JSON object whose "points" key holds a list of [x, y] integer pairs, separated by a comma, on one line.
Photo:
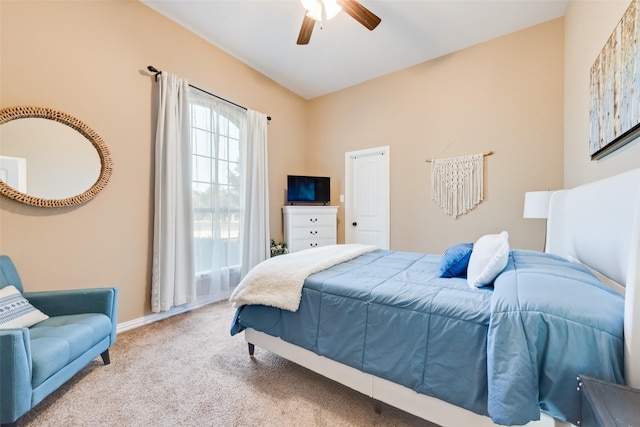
{"points": [[597, 224]]}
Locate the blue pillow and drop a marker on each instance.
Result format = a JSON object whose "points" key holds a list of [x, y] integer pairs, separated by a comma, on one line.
{"points": [[455, 260]]}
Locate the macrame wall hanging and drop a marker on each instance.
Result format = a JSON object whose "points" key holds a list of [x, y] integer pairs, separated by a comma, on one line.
{"points": [[457, 183]]}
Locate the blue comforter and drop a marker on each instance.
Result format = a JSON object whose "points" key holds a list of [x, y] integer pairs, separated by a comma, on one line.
{"points": [[505, 351]]}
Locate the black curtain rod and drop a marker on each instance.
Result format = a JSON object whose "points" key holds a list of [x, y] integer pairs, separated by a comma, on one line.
{"points": [[157, 72]]}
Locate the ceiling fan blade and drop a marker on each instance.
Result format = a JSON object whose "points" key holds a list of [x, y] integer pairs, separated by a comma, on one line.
{"points": [[305, 30], [360, 13]]}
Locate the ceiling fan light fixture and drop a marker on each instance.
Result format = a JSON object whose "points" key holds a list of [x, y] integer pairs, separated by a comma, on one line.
{"points": [[315, 13], [320, 10], [331, 8]]}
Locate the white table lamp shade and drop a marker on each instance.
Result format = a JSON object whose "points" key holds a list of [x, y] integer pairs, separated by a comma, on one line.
{"points": [[536, 204]]}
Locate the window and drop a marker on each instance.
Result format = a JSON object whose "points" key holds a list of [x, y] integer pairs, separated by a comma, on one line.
{"points": [[217, 193]]}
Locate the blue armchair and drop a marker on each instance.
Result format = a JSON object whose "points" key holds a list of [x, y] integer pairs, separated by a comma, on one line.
{"points": [[37, 360]]}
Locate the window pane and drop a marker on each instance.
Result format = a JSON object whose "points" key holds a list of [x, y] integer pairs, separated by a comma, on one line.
{"points": [[200, 117], [223, 192], [234, 131], [201, 169], [201, 142], [223, 125], [233, 198], [234, 174], [201, 197], [223, 172], [234, 150], [223, 148]]}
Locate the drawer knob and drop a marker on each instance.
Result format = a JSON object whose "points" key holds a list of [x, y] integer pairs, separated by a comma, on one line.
{"points": [[313, 219], [314, 232], [355, 224], [313, 245]]}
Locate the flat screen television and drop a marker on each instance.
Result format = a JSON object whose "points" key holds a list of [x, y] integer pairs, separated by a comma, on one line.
{"points": [[308, 189]]}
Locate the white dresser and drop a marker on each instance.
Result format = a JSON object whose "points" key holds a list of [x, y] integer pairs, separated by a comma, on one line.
{"points": [[309, 226]]}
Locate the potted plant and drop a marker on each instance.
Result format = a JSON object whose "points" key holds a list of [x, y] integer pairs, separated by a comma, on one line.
{"points": [[278, 248]]}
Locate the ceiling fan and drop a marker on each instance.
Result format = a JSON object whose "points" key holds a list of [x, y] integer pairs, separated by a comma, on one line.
{"points": [[320, 10]]}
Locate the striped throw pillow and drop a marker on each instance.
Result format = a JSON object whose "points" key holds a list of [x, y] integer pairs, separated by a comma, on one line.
{"points": [[16, 311]]}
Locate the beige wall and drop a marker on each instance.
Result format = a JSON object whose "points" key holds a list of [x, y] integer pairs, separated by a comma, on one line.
{"points": [[588, 25], [504, 96], [88, 59]]}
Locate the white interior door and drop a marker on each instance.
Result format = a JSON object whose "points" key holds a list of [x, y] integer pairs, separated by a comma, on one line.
{"points": [[367, 197]]}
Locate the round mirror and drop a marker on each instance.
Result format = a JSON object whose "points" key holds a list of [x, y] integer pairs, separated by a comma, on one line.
{"points": [[49, 158]]}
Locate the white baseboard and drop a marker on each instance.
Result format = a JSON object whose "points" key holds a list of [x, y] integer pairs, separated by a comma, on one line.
{"points": [[154, 317]]}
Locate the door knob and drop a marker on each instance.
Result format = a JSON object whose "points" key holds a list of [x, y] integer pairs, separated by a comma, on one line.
{"points": [[354, 224]]}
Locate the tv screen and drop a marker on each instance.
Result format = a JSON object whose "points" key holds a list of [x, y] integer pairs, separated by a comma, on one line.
{"points": [[308, 189]]}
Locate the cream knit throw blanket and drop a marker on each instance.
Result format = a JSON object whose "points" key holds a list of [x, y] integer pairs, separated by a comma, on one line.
{"points": [[278, 281], [457, 183]]}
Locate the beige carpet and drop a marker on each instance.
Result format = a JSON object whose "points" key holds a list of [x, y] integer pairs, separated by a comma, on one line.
{"points": [[188, 371]]}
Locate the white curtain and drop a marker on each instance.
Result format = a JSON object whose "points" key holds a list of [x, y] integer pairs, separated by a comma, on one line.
{"points": [[256, 237], [173, 276]]}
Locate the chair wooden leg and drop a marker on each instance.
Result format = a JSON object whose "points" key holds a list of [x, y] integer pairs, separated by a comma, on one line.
{"points": [[105, 357]]}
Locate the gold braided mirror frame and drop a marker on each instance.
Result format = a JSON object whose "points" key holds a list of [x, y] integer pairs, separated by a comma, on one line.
{"points": [[13, 113]]}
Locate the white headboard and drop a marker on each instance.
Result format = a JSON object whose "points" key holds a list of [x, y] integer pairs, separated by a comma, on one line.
{"points": [[599, 225]]}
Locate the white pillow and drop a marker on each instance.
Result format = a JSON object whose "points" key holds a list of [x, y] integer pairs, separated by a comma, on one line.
{"points": [[16, 311], [488, 258]]}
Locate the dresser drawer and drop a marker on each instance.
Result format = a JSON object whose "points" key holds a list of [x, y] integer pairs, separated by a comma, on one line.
{"points": [[312, 232], [301, 244], [317, 220]]}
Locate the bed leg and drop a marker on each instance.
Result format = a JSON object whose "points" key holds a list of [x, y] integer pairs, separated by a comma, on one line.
{"points": [[377, 406], [252, 349]]}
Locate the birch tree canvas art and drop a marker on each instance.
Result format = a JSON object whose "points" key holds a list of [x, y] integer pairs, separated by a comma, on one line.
{"points": [[615, 88]]}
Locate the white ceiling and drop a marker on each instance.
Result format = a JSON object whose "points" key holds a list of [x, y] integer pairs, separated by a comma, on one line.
{"points": [[263, 34]]}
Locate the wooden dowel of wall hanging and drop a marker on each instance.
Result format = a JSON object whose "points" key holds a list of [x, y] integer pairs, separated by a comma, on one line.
{"points": [[488, 153]]}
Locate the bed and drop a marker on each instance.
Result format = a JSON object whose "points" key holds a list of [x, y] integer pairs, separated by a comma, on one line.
{"points": [[508, 353]]}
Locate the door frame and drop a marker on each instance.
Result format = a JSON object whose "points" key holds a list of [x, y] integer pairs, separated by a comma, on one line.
{"points": [[348, 162]]}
